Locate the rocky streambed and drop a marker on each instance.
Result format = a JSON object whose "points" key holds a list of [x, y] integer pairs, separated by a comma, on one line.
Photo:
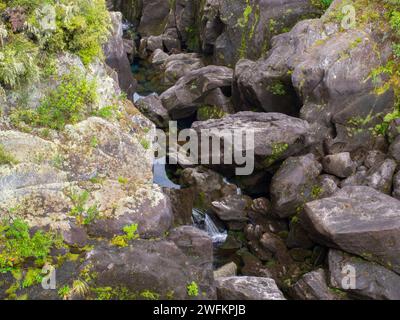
{"points": [[318, 218]]}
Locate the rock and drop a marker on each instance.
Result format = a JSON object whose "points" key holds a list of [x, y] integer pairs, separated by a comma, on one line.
{"points": [[276, 136], [153, 17], [297, 237], [370, 280], [195, 243], [233, 208], [359, 220], [182, 202], [190, 92], [248, 288], [374, 158], [149, 208], [237, 29], [394, 149], [152, 107], [295, 184], [396, 185], [178, 65], [158, 57], [340, 165], [381, 177], [208, 185], [312, 286], [158, 267], [329, 185], [274, 71], [116, 56], [227, 270]]}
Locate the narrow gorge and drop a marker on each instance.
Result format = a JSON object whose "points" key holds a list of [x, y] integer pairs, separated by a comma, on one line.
{"points": [[89, 210]]}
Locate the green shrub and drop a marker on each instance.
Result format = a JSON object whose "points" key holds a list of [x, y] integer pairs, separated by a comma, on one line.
{"points": [[17, 244], [193, 289]]}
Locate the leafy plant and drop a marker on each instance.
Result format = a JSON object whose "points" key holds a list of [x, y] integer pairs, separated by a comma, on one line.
{"points": [[193, 289]]}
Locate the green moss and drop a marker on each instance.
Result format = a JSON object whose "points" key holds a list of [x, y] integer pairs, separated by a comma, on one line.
{"points": [[150, 295], [192, 289], [277, 88], [277, 150], [210, 112]]}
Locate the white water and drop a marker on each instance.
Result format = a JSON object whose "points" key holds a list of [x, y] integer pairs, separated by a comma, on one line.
{"points": [[203, 221]]}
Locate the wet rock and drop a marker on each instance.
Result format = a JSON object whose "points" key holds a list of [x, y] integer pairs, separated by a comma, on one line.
{"points": [[190, 92], [160, 267], [248, 288], [313, 286], [276, 136], [294, 184], [152, 107], [340, 165], [359, 220], [116, 56], [75, 236], [370, 280]]}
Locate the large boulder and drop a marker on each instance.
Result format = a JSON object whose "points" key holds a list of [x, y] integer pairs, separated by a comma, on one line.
{"points": [[192, 90], [150, 269], [276, 136], [313, 286], [295, 184], [248, 288], [359, 220], [361, 278]]}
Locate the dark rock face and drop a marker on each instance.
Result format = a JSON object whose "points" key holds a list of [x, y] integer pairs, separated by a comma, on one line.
{"points": [[370, 279], [294, 184], [237, 29], [158, 266], [359, 220], [313, 286], [233, 208], [117, 59], [248, 288]]}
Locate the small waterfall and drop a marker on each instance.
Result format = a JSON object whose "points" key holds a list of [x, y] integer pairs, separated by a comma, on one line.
{"points": [[204, 221]]}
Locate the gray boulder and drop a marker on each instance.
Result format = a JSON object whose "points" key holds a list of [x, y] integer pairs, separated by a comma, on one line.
{"points": [[394, 149], [276, 136], [153, 109], [295, 184], [313, 286], [370, 279], [340, 165], [191, 91], [359, 220], [248, 288]]}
